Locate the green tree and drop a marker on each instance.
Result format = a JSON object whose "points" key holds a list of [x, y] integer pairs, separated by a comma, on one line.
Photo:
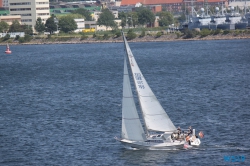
{"points": [[67, 24], [27, 29], [182, 18], [83, 12], [145, 16], [132, 19], [39, 27], [122, 16], [4, 27], [106, 18], [6, 37], [165, 18], [15, 27], [50, 25]]}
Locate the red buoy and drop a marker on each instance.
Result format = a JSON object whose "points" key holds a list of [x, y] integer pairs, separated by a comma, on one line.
{"points": [[8, 49]]}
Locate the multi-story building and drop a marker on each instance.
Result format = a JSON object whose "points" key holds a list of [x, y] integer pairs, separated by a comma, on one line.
{"points": [[4, 3], [30, 10]]}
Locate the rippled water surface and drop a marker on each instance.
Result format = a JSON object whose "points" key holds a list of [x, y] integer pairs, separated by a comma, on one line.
{"points": [[61, 104]]}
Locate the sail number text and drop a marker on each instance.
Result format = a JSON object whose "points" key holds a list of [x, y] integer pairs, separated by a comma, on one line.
{"points": [[139, 81]]}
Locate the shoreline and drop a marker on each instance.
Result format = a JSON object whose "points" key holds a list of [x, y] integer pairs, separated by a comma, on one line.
{"points": [[163, 38]]}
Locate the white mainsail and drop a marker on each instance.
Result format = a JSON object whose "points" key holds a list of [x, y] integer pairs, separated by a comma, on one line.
{"points": [[154, 115], [131, 125]]}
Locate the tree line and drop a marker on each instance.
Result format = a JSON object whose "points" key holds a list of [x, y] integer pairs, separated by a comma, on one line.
{"points": [[141, 16]]}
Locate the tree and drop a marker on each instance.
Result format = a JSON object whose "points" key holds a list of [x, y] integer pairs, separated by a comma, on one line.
{"points": [[145, 16], [67, 24], [123, 17], [15, 27], [106, 18], [39, 27], [133, 19], [27, 29], [50, 25], [165, 18], [83, 12], [4, 27]]}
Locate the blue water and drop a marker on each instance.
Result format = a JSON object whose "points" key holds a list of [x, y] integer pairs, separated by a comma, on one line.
{"points": [[61, 104]]}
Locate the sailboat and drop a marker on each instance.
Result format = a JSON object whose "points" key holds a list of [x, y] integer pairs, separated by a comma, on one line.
{"points": [[7, 51], [160, 132]]}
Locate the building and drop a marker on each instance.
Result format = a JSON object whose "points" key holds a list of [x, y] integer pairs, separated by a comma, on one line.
{"points": [[96, 14], [30, 10], [174, 6], [80, 24], [4, 3], [10, 19]]}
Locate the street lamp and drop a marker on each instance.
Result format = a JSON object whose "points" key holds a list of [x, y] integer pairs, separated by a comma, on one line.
{"points": [[56, 22]]}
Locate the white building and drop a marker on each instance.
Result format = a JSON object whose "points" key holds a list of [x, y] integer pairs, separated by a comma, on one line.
{"points": [[96, 14], [30, 10], [80, 24], [5, 3]]}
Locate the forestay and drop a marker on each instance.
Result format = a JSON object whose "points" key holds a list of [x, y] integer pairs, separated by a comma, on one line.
{"points": [[154, 115]]}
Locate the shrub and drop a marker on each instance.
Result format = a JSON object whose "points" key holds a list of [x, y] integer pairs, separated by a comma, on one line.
{"points": [[237, 32], [131, 35], [17, 37], [105, 36], [94, 35], [189, 34], [225, 32], [217, 31], [27, 38], [84, 37], [6, 37], [205, 32], [158, 34], [118, 34], [21, 40], [142, 33], [178, 34]]}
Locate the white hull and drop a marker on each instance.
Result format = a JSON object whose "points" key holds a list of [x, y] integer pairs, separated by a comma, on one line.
{"points": [[155, 146]]}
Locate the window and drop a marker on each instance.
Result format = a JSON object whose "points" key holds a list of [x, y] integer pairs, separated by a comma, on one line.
{"points": [[26, 20], [20, 9], [40, 3], [42, 14], [21, 3], [44, 8]]}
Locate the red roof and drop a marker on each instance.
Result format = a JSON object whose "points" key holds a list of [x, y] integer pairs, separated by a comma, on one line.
{"points": [[158, 2]]}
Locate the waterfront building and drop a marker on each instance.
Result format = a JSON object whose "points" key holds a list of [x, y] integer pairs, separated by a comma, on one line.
{"points": [[4, 3], [30, 10], [9, 19]]}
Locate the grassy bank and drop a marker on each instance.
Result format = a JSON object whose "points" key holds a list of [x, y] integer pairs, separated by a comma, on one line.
{"points": [[133, 36]]}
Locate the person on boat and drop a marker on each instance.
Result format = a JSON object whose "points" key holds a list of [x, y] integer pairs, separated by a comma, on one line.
{"points": [[179, 131], [190, 131]]}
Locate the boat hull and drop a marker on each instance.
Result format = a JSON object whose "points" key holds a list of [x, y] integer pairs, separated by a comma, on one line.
{"points": [[153, 146], [7, 52]]}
